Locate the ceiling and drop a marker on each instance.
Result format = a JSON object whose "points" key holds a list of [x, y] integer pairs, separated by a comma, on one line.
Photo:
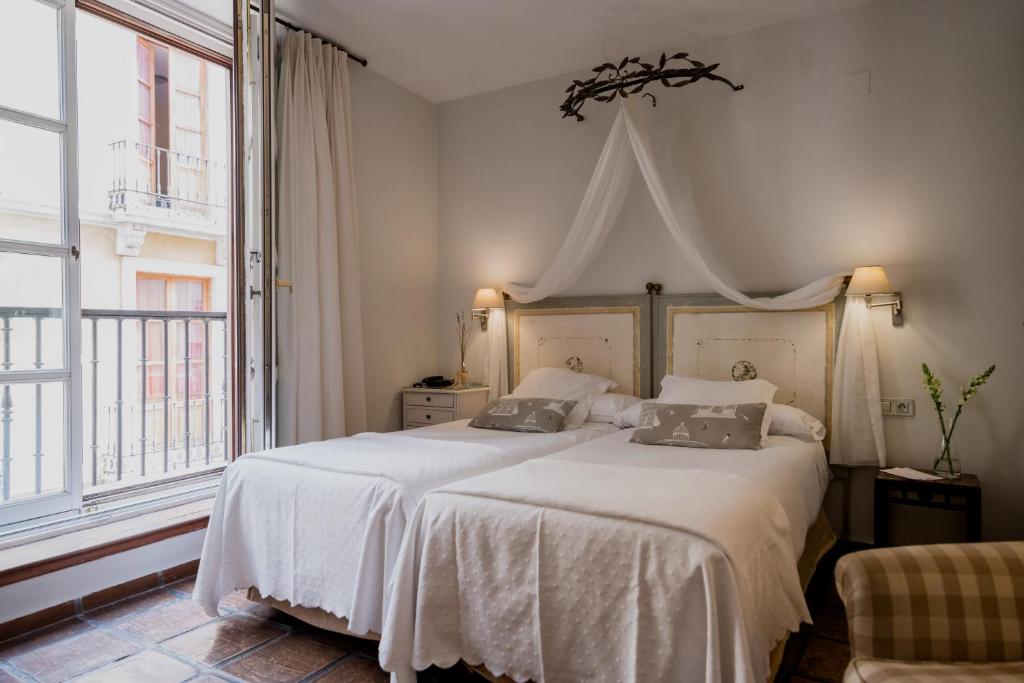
{"points": [[448, 49]]}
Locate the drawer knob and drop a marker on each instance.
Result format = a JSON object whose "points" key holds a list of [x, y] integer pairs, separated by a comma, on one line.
{"points": [[428, 416], [428, 399]]}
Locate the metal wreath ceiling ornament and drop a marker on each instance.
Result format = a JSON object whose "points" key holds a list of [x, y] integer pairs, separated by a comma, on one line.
{"points": [[631, 76]]}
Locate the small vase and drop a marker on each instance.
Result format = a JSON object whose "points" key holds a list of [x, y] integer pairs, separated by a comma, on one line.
{"points": [[947, 465], [461, 377]]}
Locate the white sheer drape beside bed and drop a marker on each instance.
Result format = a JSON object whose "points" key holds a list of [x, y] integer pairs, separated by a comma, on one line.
{"points": [[321, 386], [856, 408]]}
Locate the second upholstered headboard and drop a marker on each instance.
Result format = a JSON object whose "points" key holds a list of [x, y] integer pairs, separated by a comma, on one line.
{"points": [[710, 337]]}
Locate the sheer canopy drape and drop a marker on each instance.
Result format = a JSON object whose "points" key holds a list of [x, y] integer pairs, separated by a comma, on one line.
{"points": [[856, 424], [321, 386]]}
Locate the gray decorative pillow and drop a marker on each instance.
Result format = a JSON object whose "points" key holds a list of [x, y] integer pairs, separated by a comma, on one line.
{"points": [[524, 414], [673, 424]]}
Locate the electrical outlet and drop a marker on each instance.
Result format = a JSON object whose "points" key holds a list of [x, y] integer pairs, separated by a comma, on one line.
{"points": [[898, 407]]}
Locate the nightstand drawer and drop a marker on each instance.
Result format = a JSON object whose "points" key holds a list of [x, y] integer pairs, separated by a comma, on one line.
{"points": [[430, 400], [428, 416]]}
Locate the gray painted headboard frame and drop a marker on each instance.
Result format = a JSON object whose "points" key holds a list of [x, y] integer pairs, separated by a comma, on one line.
{"points": [[652, 322]]}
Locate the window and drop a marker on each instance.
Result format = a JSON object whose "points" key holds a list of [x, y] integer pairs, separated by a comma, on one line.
{"points": [[174, 293], [39, 233], [146, 57], [114, 325], [172, 142], [188, 113]]}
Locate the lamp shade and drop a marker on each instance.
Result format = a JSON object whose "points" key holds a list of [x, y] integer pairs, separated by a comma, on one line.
{"points": [[869, 280], [487, 298]]}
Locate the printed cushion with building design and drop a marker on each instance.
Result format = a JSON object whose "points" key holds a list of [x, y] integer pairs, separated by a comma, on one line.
{"points": [[545, 415], [736, 426]]}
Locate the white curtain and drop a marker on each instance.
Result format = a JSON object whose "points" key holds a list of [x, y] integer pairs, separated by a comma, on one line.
{"points": [[601, 205], [497, 354], [857, 436], [628, 142], [321, 387]]}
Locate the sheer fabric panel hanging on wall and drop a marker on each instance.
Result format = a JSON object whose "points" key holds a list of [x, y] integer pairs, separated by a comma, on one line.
{"points": [[856, 407]]}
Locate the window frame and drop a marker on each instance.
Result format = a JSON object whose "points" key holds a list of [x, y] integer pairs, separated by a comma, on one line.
{"points": [[210, 44], [66, 126]]}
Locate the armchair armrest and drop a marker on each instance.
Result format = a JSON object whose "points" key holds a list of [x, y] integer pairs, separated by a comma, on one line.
{"points": [[957, 602]]}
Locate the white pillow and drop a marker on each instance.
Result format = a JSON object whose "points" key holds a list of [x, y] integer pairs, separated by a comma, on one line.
{"points": [[706, 392], [630, 417], [608, 406], [565, 384], [792, 421]]}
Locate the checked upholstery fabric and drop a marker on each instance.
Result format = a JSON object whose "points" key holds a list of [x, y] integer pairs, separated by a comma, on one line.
{"points": [[937, 612]]}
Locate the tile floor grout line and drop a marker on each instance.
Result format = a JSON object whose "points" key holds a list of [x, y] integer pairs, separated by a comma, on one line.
{"points": [[252, 648], [124, 632], [322, 670], [317, 675], [19, 674]]}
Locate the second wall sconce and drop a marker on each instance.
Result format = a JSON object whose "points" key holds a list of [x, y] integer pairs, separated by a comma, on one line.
{"points": [[483, 302], [871, 281]]}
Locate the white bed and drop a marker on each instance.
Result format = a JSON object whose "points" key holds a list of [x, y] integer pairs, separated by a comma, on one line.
{"points": [[319, 525], [610, 561]]}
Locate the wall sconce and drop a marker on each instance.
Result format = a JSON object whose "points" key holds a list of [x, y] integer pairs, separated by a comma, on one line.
{"points": [[871, 281], [485, 300]]}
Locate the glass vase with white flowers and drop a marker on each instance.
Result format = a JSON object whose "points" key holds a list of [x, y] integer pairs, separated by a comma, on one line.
{"points": [[946, 465]]}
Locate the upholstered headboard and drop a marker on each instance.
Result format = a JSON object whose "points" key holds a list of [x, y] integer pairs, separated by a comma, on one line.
{"points": [[637, 339], [608, 336], [710, 337]]}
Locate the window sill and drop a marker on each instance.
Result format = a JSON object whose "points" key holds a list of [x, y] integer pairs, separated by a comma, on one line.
{"points": [[79, 546]]}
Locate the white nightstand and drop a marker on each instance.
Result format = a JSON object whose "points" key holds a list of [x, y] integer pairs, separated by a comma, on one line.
{"points": [[422, 407]]}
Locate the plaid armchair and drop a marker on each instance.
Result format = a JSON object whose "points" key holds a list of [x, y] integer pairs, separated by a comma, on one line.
{"points": [[935, 613]]}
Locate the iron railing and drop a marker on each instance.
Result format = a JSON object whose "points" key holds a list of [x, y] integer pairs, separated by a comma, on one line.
{"points": [[144, 437], [149, 177]]}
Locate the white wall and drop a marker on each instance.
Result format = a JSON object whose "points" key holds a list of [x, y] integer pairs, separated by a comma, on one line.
{"points": [[801, 174], [48, 590], [395, 147]]}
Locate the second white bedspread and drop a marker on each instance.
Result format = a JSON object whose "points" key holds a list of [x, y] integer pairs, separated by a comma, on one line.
{"points": [[559, 571]]}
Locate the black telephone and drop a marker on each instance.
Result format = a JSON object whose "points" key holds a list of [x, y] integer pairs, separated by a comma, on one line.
{"points": [[434, 382]]}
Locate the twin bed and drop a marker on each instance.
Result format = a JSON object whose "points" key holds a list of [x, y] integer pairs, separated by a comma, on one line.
{"points": [[571, 556], [319, 525]]}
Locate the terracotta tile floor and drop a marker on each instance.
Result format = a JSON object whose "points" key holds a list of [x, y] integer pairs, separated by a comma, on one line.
{"points": [[162, 637]]}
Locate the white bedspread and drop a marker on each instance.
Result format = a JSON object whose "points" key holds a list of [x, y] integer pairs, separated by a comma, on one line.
{"points": [[610, 561], [320, 524]]}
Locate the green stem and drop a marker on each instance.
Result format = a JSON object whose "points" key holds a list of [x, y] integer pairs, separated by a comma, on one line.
{"points": [[942, 423], [956, 418], [952, 426]]}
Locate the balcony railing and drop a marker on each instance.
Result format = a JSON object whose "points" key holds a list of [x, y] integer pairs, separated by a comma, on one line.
{"points": [[139, 426], [152, 179]]}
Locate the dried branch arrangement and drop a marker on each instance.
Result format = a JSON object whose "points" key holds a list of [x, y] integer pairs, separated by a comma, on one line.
{"points": [[631, 76], [461, 336]]}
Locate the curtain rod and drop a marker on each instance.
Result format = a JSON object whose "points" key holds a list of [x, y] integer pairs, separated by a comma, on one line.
{"points": [[287, 24]]}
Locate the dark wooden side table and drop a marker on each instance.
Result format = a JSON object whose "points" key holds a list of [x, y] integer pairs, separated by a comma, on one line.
{"points": [[963, 494]]}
